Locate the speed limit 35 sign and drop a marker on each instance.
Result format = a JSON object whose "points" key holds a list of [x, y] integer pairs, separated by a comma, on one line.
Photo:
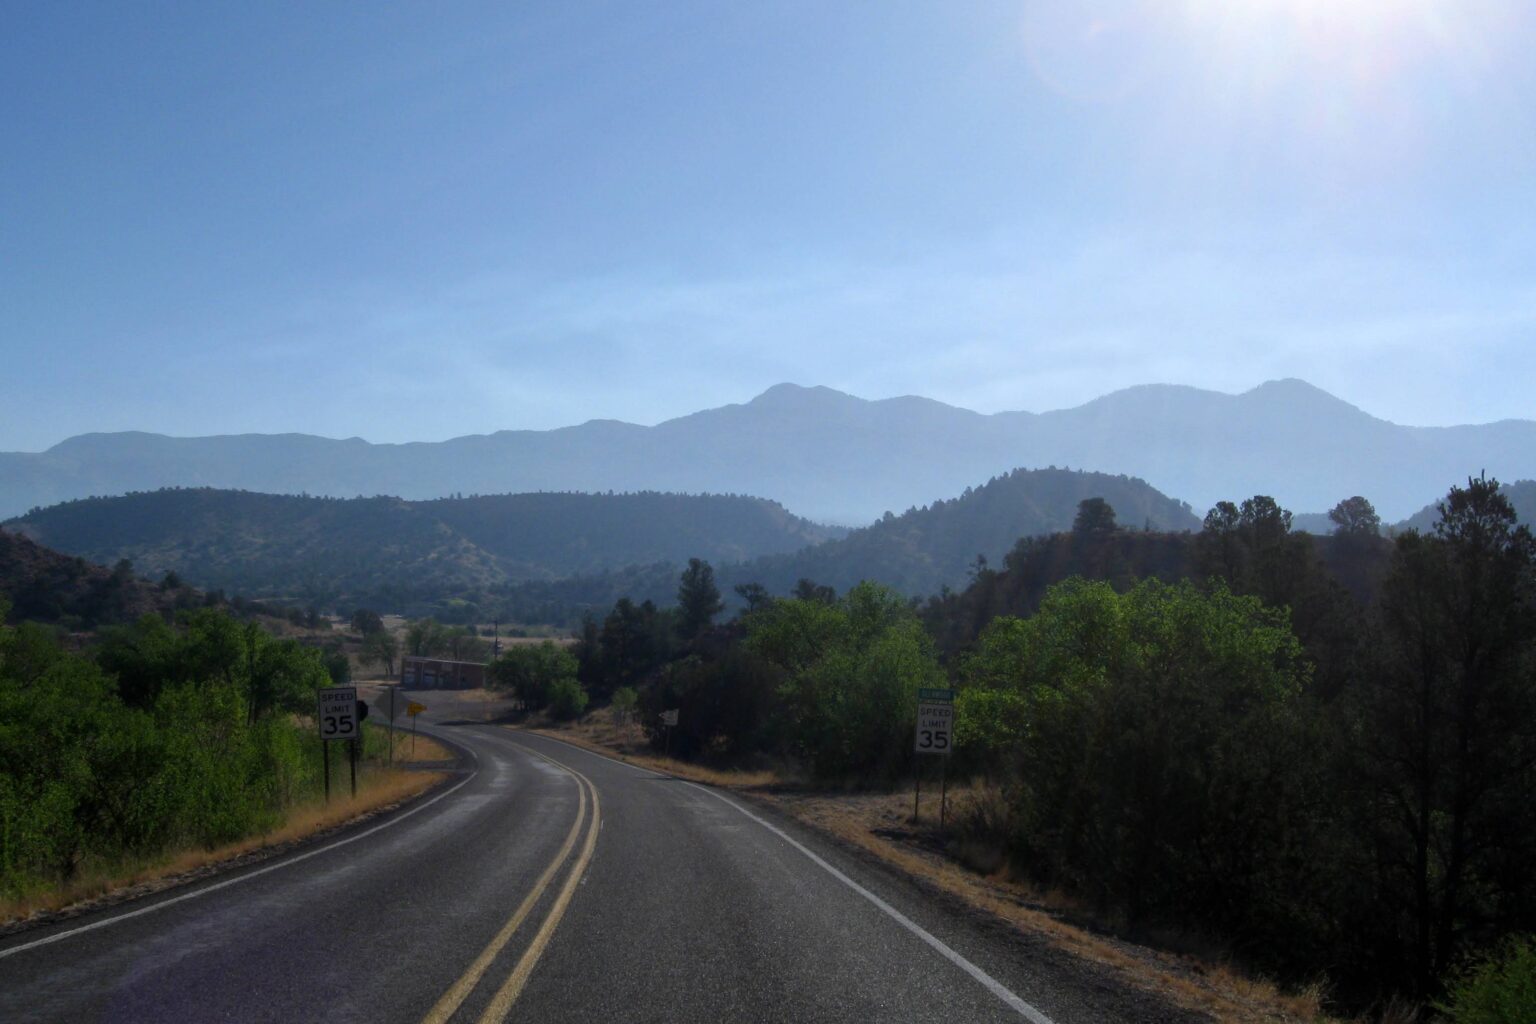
{"points": [[935, 727], [338, 713]]}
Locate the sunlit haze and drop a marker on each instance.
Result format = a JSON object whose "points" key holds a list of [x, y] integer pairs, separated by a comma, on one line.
{"points": [[410, 222]]}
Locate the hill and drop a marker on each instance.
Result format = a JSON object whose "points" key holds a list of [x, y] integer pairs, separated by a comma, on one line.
{"points": [[1521, 494], [47, 586], [919, 552], [835, 457], [926, 549], [390, 552]]}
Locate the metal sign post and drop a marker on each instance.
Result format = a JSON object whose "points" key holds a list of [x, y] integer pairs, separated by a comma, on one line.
{"points": [[669, 720], [336, 716], [392, 689], [935, 735], [413, 709]]}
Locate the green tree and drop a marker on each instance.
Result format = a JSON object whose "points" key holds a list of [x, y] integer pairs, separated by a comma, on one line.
{"points": [[567, 700], [698, 600], [1095, 518], [1445, 737], [381, 647], [1500, 989], [366, 622], [625, 701], [530, 672], [754, 594], [851, 672], [1355, 517], [426, 638], [1148, 739]]}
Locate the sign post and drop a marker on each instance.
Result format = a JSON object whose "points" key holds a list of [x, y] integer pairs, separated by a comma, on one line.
{"points": [[337, 718], [669, 720], [413, 709], [392, 690], [935, 735]]}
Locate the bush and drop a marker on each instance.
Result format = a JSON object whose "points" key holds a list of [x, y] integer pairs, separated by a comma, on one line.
{"points": [[567, 700], [1499, 990]]}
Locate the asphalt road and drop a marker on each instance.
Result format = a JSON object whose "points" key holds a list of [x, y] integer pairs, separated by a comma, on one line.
{"points": [[549, 884]]}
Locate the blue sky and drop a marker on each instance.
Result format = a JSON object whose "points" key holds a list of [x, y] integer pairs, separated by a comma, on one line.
{"points": [[413, 221]]}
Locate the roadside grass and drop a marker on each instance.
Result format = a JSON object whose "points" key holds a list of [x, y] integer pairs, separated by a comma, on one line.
{"points": [[102, 883], [881, 825]]}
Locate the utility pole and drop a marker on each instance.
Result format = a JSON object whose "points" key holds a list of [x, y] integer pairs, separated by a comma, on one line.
{"points": [[495, 639]]}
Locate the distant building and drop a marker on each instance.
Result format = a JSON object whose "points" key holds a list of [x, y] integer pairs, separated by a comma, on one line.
{"points": [[417, 673]]}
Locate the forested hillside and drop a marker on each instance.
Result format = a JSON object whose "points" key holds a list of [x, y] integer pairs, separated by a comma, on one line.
{"points": [[46, 586], [917, 553], [1521, 495], [391, 553], [1312, 752], [926, 549]]}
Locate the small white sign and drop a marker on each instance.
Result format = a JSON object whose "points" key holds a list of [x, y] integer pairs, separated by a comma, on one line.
{"points": [[338, 713], [935, 728], [669, 717]]}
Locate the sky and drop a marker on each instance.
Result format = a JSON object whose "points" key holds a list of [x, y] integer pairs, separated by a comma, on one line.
{"points": [[414, 221]]}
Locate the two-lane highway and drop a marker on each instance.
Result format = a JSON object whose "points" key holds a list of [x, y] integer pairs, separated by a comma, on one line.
{"points": [[551, 884]]}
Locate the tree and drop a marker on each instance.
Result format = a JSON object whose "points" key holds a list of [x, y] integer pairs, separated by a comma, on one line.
{"points": [[698, 599], [754, 594], [623, 705], [531, 673], [567, 700], [381, 646], [1355, 517], [1446, 740], [851, 673], [1095, 518], [426, 638], [366, 622], [810, 590]]}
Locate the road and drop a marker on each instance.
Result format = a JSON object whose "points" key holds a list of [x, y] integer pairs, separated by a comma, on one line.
{"points": [[550, 884]]}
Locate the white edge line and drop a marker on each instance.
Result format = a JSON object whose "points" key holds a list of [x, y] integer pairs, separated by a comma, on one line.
{"points": [[988, 982], [205, 890]]}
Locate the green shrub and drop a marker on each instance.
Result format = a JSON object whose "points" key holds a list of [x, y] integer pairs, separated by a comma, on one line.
{"points": [[567, 699], [1499, 990]]}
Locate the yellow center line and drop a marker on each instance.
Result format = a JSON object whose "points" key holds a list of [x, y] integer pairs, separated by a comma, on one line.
{"points": [[455, 996], [501, 1003]]}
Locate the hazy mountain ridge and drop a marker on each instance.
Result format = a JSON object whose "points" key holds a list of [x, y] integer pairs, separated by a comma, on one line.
{"points": [[1521, 495], [833, 457], [267, 545], [926, 549]]}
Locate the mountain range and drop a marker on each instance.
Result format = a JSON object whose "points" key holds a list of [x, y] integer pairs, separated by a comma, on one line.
{"points": [[317, 550], [836, 458], [520, 551]]}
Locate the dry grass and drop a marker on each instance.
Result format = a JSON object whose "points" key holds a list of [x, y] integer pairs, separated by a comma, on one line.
{"points": [[378, 790], [413, 748], [881, 825], [628, 743]]}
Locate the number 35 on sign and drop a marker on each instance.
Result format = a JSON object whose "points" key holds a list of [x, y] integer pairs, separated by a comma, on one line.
{"points": [[338, 713], [935, 728]]}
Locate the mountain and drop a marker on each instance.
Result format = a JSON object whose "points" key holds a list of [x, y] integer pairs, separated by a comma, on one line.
{"points": [[918, 552], [326, 549], [926, 549], [47, 586], [1521, 494], [837, 458]]}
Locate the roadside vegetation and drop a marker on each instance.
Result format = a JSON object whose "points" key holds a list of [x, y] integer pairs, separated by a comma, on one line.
{"points": [[163, 747], [1309, 757]]}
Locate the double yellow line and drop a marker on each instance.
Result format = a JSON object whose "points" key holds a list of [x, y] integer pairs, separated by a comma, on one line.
{"points": [[501, 1003]]}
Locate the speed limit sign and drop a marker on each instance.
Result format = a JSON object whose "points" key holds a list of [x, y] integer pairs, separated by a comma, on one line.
{"points": [[338, 713], [935, 727]]}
